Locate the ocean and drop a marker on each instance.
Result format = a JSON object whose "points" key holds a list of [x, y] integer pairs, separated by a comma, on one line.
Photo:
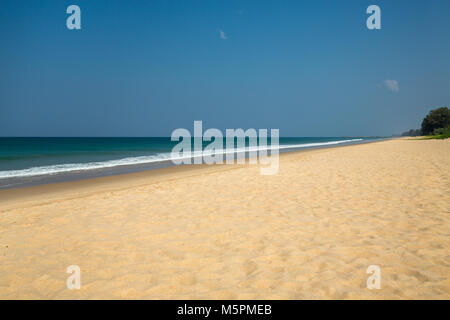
{"points": [[31, 161]]}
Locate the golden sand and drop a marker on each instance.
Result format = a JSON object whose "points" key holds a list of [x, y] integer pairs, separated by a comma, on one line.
{"points": [[227, 232]]}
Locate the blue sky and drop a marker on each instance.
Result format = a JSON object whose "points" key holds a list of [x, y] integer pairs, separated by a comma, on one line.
{"points": [[144, 68]]}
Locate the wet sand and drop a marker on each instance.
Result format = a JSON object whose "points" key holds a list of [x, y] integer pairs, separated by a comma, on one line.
{"points": [[227, 232]]}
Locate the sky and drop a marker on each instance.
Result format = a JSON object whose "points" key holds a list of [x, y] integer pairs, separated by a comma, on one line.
{"points": [[145, 68]]}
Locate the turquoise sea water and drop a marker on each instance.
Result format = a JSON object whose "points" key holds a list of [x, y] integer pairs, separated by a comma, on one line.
{"points": [[32, 159]]}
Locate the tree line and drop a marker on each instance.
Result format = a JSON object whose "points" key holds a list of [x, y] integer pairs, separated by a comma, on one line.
{"points": [[435, 123]]}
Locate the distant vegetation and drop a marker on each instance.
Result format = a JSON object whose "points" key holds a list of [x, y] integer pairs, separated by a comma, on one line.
{"points": [[412, 133], [436, 125]]}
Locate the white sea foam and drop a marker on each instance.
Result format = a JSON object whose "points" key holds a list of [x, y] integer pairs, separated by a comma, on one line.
{"points": [[72, 167]]}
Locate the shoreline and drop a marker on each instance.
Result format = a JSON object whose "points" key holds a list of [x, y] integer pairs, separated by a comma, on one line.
{"points": [[139, 168], [113, 181]]}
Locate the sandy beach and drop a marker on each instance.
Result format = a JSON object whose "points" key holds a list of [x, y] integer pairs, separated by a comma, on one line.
{"points": [[227, 232]]}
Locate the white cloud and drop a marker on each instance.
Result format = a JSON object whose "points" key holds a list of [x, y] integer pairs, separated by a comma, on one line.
{"points": [[223, 36], [392, 85]]}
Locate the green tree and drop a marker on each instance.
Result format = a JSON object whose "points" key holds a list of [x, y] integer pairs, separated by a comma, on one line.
{"points": [[437, 118]]}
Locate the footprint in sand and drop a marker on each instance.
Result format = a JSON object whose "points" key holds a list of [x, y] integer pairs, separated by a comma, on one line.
{"points": [[249, 267]]}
